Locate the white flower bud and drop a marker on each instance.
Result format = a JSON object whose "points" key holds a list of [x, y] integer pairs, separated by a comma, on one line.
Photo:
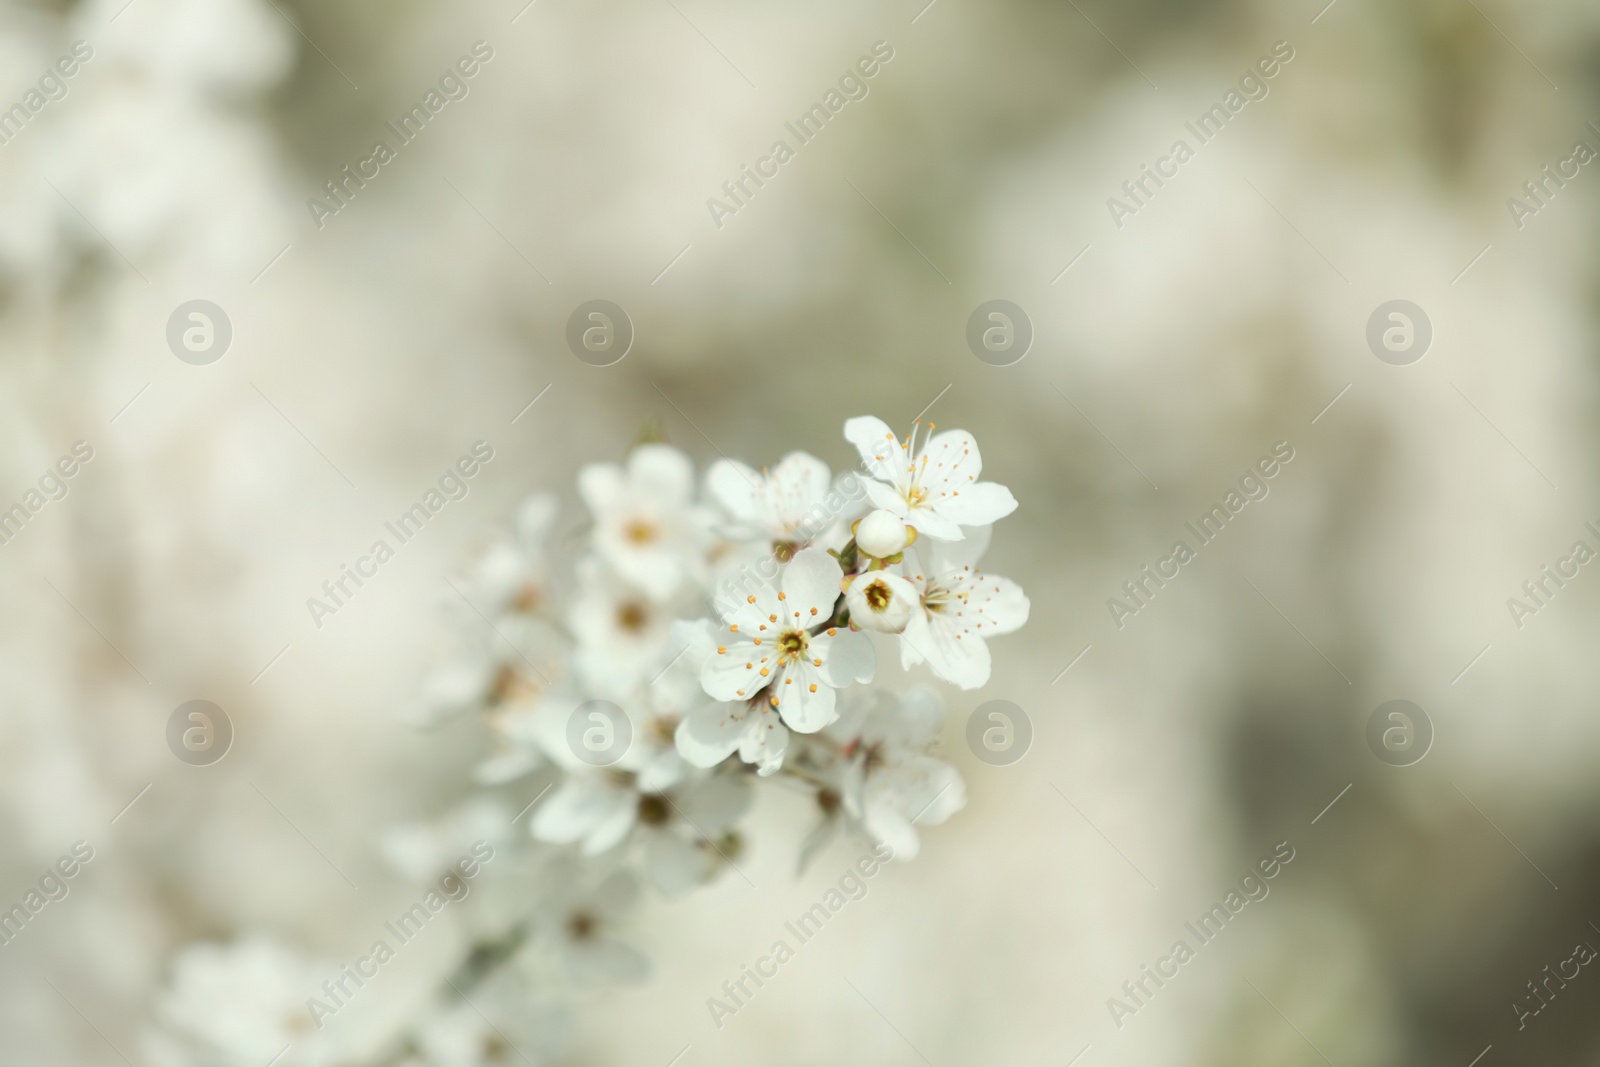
{"points": [[881, 601], [880, 534]]}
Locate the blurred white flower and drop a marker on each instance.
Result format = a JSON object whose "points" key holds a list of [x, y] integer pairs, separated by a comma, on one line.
{"points": [[622, 633], [892, 782], [934, 486], [786, 505], [513, 574], [712, 732], [647, 525], [580, 914], [422, 851], [239, 1005]]}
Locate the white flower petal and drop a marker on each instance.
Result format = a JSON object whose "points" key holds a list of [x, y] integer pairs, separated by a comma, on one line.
{"points": [[710, 734], [662, 472], [811, 586], [961, 660], [765, 742], [913, 639], [933, 523], [664, 770], [576, 808], [994, 605], [739, 489], [888, 498], [799, 482], [948, 461], [611, 830], [805, 700], [535, 517], [978, 505], [600, 486], [734, 672], [893, 829], [846, 657], [881, 453]]}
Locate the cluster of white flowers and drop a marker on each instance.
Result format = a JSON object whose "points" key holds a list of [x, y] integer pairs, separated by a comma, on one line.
{"points": [[733, 630]]}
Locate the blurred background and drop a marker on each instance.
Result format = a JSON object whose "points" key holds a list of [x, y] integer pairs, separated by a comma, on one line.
{"points": [[1174, 346]]}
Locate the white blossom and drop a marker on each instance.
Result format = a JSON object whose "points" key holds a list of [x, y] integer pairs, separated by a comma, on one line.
{"points": [[892, 781], [239, 1004], [798, 580], [958, 608], [932, 485], [781, 647], [647, 524]]}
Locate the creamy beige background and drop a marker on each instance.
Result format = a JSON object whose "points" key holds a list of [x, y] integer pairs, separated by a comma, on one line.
{"points": [[1222, 318]]}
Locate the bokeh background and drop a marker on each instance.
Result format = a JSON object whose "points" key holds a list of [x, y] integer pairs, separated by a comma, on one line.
{"points": [[1177, 349]]}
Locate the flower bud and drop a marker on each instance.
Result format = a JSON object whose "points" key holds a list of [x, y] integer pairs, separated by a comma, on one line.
{"points": [[880, 601], [880, 534]]}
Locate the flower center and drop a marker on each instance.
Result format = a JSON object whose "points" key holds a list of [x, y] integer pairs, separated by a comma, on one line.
{"points": [[581, 926], [508, 685], [653, 809], [528, 597], [792, 644], [784, 551], [641, 532], [632, 617], [878, 595]]}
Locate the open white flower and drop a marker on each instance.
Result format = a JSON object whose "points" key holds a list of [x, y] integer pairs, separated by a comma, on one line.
{"points": [[958, 608], [499, 1028], [933, 487], [770, 650], [647, 525], [513, 573]]}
